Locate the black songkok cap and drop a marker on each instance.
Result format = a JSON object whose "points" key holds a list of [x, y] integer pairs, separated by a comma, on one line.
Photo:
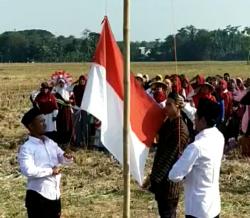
{"points": [[209, 110], [30, 116]]}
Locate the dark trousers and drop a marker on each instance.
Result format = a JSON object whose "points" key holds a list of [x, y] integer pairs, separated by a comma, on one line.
{"points": [[189, 216], [40, 207], [167, 208]]}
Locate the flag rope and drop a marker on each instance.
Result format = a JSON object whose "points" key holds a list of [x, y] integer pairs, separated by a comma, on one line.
{"points": [[106, 7], [174, 36]]}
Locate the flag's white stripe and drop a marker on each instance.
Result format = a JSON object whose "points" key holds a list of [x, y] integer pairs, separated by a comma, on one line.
{"points": [[101, 100], [95, 94], [138, 157]]}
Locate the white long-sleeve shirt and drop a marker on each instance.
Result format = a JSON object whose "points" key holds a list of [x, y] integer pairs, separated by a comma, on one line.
{"points": [[36, 159], [200, 166]]}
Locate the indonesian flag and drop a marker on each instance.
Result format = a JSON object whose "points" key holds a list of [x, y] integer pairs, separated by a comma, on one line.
{"points": [[104, 98]]}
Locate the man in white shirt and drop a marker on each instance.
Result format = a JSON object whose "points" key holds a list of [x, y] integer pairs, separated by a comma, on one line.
{"points": [[199, 165], [39, 159]]}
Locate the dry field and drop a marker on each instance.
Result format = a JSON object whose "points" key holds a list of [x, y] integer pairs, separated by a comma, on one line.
{"points": [[92, 187]]}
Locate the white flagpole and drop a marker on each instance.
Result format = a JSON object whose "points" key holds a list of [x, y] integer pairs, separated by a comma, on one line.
{"points": [[126, 110]]}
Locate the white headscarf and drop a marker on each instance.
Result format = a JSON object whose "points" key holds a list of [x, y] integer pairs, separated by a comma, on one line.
{"points": [[62, 90]]}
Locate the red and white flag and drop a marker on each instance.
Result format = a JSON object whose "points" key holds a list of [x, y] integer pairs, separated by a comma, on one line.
{"points": [[104, 98]]}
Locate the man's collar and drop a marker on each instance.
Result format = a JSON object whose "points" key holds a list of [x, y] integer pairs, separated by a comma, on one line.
{"points": [[204, 132], [37, 140]]}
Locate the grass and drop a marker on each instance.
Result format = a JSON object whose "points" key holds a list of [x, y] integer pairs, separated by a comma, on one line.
{"points": [[93, 186]]}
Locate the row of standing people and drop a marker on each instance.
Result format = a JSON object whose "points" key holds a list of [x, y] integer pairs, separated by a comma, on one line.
{"points": [[227, 92], [66, 122]]}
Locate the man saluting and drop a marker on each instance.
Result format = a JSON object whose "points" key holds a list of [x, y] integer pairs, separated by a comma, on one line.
{"points": [[39, 159]]}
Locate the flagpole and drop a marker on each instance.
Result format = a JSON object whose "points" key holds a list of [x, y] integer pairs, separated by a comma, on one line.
{"points": [[126, 149]]}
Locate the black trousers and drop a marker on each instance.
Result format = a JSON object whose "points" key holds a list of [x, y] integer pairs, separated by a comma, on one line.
{"points": [[167, 208], [189, 216], [40, 207]]}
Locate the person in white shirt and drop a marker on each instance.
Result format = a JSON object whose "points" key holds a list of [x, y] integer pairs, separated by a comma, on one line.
{"points": [[199, 165], [40, 159]]}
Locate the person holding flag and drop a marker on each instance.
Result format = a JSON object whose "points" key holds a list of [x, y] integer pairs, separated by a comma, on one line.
{"points": [[173, 138]]}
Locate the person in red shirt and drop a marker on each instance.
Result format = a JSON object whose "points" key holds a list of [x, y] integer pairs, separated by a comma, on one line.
{"points": [[204, 91], [47, 104]]}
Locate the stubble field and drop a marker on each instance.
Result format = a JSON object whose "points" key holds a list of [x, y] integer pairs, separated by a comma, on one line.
{"points": [[93, 186]]}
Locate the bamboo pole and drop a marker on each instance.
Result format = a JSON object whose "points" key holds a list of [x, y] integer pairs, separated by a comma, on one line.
{"points": [[126, 109]]}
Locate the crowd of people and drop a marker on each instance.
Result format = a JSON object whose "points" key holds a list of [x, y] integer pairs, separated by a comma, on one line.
{"points": [[60, 101], [205, 118], [227, 92], [67, 124]]}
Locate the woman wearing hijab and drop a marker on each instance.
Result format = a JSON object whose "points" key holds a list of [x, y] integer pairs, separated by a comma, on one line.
{"points": [[186, 87], [198, 80], [241, 89], [232, 86], [64, 118], [81, 122], [245, 125], [173, 138], [233, 127], [244, 141], [227, 98], [176, 84]]}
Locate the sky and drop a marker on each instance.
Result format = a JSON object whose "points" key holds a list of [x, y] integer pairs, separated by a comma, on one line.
{"points": [[150, 19]]}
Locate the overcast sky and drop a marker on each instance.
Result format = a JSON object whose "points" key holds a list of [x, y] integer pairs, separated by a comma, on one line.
{"points": [[150, 19]]}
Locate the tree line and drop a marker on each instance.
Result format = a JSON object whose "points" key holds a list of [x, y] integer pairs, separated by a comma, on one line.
{"points": [[192, 44]]}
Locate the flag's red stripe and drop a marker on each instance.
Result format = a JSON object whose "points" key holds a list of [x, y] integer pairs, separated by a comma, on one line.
{"points": [[146, 116], [109, 56]]}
